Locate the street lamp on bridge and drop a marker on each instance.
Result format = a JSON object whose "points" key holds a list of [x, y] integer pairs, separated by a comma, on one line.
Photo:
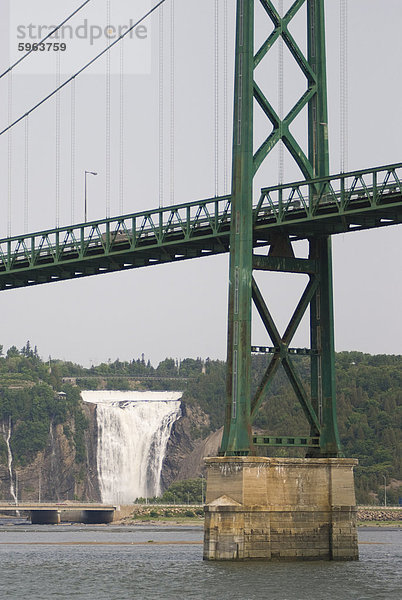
{"points": [[85, 193]]}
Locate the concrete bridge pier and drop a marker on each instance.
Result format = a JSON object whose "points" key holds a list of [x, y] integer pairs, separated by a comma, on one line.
{"points": [[280, 508], [97, 517], [45, 517]]}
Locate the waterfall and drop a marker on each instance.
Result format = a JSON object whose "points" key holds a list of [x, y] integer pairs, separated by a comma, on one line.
{"points": [[133, 432], [7, 436]]}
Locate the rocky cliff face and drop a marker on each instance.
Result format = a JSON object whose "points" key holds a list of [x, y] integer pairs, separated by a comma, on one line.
{"points": [[55, 476], [185, 455]]}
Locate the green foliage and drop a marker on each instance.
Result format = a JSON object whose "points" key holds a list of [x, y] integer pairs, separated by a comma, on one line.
{"points": [[27, 440], [81, 425], [208, 391], [188, 491], [88, 383], [118, 383], [13, 352], [73, 402], [190, 367], [369, 397], [167, 368], [3, 451], [29, 402]]}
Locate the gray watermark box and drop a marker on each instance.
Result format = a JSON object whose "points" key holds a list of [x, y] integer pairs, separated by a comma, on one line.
{"points": [[96, 26]]}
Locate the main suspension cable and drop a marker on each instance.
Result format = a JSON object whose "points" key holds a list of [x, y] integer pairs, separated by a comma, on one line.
{"points": [[84, 68], [11, 67]]}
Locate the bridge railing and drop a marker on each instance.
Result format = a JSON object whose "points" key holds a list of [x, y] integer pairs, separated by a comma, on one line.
{"points": [[336, 194], [183, 222]]}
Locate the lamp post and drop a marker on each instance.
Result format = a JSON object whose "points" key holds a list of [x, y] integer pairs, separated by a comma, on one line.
{"points": [[385, 490], [85, 193]]}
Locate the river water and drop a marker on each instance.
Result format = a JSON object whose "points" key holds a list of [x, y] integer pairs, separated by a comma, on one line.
{"points": [[152, 562]]}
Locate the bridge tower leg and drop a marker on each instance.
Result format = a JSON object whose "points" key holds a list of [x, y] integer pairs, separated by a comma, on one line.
{"points": [[237, 433], [254, 503]]}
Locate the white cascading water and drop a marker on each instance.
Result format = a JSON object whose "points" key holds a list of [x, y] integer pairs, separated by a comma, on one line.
{"points": [[7, 437], [133, 432]]}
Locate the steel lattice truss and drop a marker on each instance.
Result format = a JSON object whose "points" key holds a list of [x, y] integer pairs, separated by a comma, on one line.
{"points": [[337, 204]]}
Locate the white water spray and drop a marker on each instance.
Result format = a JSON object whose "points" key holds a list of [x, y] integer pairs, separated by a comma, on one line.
{"points": [[133, 432], [7, 436]]}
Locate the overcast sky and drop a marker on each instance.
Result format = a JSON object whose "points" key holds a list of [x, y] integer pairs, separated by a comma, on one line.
{"points": [[180, 310]]}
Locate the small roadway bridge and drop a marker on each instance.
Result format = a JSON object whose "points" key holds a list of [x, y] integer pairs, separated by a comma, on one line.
{"points": [[52, 513]]}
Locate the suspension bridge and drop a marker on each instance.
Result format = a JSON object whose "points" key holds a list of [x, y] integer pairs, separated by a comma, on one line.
{"points": [[258, 228]]}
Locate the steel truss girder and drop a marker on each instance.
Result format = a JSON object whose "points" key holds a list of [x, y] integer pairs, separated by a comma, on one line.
{"points": [[335, 204]]}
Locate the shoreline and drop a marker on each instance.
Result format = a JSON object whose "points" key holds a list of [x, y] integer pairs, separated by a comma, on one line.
{"points": [[193, 516], [189, 523]]}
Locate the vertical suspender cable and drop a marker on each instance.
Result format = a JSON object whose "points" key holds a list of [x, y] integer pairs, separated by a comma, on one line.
{"points": [[280, 99], [343, 86], [57, 156], [108, 107], [72, 142], [26, 176], [161, 106], [216, 97], [10, 152], [225, 99], [121, 154], [172, 101]]}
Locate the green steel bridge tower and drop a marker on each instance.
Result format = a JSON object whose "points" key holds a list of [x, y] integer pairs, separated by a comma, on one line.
{"points": [[243, 290]]}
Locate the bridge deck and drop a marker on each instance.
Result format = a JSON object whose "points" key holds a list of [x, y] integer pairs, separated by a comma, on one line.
{"points": [[353, 201]]}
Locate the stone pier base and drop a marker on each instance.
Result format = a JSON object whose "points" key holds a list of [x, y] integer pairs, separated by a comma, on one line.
{"points": [[280, 508]]}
